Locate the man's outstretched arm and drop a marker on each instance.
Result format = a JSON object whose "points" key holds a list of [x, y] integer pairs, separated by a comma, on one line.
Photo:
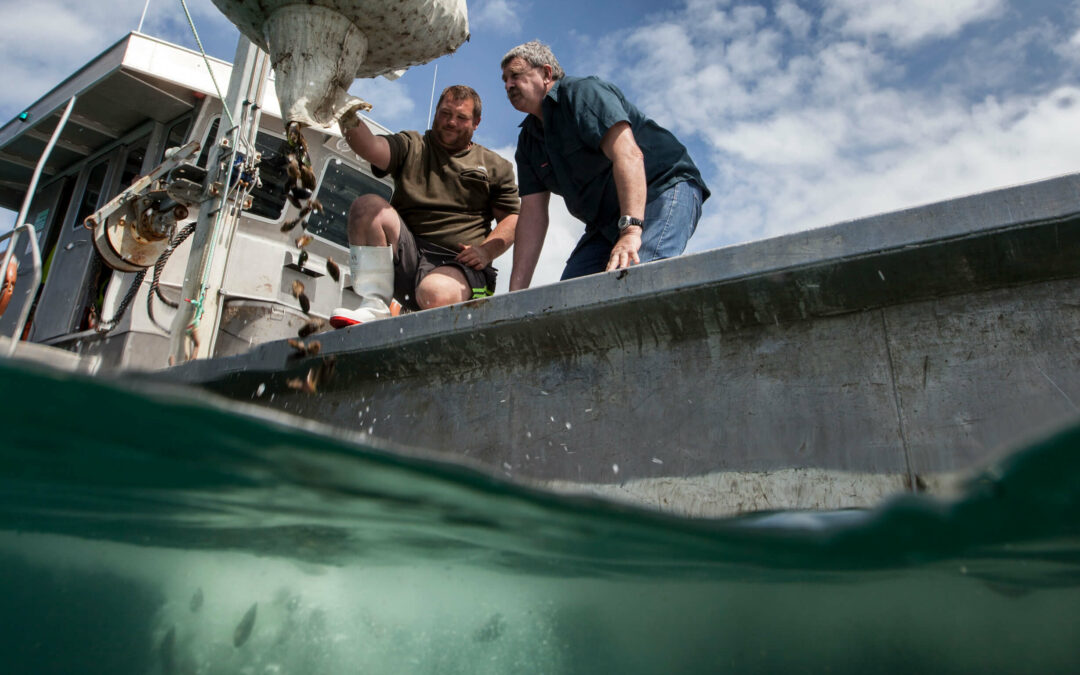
{"points": [[532, 227], [628, 170], [373, 149]]}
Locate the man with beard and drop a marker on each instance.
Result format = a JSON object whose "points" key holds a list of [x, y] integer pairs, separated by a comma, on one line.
{"points": [[432, 244], [629, 179]]}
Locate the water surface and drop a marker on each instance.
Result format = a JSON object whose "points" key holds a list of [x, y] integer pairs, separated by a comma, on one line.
{"points": [[139, 527]]}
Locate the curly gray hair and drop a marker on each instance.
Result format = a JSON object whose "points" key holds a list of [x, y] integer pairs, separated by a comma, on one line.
{"points": [[536, 54]]}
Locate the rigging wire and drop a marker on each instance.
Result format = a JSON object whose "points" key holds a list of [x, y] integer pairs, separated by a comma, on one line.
{"points": [[143, 17], [191, 22], [431, 103]]}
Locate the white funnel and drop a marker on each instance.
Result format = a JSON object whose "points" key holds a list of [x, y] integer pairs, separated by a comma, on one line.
{"points": [[318, 47]]}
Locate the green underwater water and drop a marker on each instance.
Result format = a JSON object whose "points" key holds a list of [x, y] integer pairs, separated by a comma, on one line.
{"points": [[139, 526]]}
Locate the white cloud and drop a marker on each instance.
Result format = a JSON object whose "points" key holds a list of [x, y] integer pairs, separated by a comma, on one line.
{"points": [[797, 21], [843, 70], [795, 139], [955, 150], [43, 42], [496, 15], [907, 22], [1070, 49], [389, 98], [807, 124], [670, 47], [754, 55], [40, 43]]}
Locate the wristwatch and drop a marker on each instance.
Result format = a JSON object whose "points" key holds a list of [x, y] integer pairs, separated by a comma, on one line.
{"points": [[627, 221]]}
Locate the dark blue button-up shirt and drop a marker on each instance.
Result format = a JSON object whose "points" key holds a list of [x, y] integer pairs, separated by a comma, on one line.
{"points": [[563, 154]]}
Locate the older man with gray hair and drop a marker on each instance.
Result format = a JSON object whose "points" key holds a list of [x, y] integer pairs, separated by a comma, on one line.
{"points": [[627, 178]]}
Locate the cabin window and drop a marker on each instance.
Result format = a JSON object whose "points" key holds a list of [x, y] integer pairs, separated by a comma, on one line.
{"points": [[176, 136], [133, 162], [268, 201], [208, 141], [340, 185], [91, 193]]}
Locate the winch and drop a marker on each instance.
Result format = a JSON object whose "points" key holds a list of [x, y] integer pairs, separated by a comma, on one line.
{"points": [[134, 228]]}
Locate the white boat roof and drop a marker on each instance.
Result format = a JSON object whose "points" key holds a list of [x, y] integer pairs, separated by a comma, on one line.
{"points": [[138, 78]]}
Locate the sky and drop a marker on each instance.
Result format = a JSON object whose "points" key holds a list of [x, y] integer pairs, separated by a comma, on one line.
{"points": [[799, 113]]}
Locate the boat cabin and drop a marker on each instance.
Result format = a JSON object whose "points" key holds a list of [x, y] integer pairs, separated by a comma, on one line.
{"points": [[134, 102]]}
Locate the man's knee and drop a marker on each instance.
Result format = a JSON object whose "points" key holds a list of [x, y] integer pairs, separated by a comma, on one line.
{"points": [[372, 220], [443, 286], [367, 206]]}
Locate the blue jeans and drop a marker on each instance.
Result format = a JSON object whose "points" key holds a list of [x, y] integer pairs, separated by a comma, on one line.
{"points": [[670, 221]]}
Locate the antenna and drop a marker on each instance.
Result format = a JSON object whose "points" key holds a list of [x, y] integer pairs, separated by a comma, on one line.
{"points": [[430, 103], [143, 17]]}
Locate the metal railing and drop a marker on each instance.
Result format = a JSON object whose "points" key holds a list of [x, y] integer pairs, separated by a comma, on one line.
{"points": [[21, 224], [36, 255]]}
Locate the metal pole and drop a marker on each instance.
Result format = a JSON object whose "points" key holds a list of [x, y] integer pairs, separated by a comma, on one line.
{"points": [[218, 216], [21, 224], [36, 255], [41, 162]]}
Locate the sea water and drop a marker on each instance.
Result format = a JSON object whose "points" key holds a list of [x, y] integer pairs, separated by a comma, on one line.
{"points": [[151, 532]]}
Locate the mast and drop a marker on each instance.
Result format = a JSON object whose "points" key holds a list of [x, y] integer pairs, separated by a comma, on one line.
{"points": [[194, 326]]}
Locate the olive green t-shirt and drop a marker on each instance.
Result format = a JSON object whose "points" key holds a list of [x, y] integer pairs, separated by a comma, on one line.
{"points": [[448, 199]]}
